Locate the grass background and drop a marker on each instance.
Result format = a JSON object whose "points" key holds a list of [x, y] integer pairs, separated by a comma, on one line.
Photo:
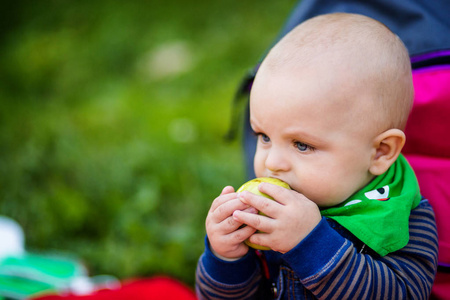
{"points": [[112, 117]]}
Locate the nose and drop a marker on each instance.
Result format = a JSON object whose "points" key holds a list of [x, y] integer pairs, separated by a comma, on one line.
{"points": [[277, 161]]}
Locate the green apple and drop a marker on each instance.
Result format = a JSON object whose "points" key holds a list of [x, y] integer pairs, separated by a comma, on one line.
{"points": [[252, 186]]}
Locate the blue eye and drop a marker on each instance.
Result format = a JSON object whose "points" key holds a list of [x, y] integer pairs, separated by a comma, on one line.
{"points": [[302, 147], [265, 138]]}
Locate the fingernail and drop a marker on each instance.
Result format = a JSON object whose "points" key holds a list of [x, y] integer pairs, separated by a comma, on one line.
{"points": [[252, 210]]}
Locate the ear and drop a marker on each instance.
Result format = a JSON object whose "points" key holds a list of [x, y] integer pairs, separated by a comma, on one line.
{"points": [[388, 146]]}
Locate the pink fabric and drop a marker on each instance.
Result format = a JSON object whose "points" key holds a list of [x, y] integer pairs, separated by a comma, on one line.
{"points": [[428, 146], [441, 287], [428, 151], [434, 180], [428, 129]]}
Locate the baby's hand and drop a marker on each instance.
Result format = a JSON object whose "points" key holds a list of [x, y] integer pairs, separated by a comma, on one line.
{"points": [[224, 233], [288, 220]]}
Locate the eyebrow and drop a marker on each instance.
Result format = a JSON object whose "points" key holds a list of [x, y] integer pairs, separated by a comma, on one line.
{"points": [[306, 137], [252, 124]]}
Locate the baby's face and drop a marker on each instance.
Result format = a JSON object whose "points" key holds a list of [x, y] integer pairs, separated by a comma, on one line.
{"points": [[310, 134]]}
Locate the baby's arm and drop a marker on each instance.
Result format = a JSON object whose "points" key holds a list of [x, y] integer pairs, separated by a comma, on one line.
{"points": [[227, 269], [219, 279], [331, 267]]}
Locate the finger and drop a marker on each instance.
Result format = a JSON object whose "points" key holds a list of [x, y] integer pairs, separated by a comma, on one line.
{"points": [[226, 190], [223, 198], [256, 221], [265, 205], [226, 209], [251, 210], [230, 224], [240, 235], [280, 194], [260, 238]]}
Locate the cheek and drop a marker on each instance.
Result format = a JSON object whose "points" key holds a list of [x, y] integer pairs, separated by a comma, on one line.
{"points": [[259, 162], [338, 184], [324, 183]]}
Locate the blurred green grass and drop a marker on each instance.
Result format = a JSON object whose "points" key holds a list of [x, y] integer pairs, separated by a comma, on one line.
{"points": [[112, 120]]}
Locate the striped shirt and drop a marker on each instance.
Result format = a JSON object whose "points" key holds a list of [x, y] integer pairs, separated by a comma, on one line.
{"points": [[330, 263]]}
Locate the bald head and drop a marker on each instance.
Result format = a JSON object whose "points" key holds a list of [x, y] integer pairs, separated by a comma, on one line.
{"points": [[361, 52]]}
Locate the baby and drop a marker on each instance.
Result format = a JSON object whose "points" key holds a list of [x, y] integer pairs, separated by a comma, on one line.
{"points": [[329, 105]]}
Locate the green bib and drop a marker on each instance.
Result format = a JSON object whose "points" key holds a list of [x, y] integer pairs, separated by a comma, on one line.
{"points": [[378, 214]]}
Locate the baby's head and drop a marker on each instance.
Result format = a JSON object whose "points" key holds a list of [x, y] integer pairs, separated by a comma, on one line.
{"points": [[331, 100]]}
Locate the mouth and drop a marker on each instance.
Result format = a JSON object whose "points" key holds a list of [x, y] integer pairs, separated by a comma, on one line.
{"points": [[281, 179], [277, 178], [290, 185]]}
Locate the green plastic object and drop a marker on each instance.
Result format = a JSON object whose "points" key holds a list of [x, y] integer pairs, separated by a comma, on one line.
{"points": [[31, 274]]}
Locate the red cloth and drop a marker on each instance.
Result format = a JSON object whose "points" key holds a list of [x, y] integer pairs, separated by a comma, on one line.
{"points": [[155, 288]]}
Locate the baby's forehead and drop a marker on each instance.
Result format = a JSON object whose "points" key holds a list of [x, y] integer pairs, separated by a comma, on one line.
{"points": [[358, 52], [337, 96]]}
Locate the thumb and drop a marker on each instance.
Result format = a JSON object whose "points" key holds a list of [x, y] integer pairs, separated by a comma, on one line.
{"points": [[227, 190]]}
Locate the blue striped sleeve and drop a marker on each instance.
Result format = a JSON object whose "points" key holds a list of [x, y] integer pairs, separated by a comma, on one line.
{"points": [[219, 279], [340, 272]]}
